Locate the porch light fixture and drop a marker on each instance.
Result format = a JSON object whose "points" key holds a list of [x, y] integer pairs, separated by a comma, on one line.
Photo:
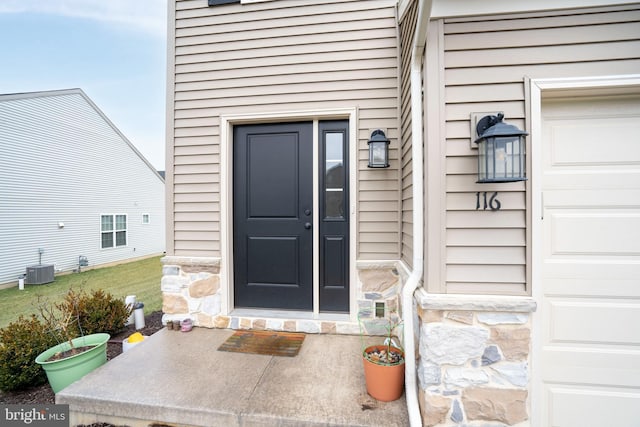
{"points": [[500, 151], [378, 150]]}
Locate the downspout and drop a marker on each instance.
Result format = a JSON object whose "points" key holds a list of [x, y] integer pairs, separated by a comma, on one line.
{"points": [[417, 141]]}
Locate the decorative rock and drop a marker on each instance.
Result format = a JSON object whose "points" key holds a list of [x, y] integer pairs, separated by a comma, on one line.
{"points": [[450, 392], [465, 317], [194, 304], [245, 323], [170, 270], [196, 263], [465, 377], [429, 374], [211, 269], [377, 280], [204, 287], [436, 409], [259, 324], [235, 322], [174, 304], [503, 318], [392, 305], [204, 320], [308, 326], [507, 406], [446, 344], [289, 326], [456, 414], [515, 373], [365, 308], [274, 325], [432, 316], [173, 283], [212, 304], [221, 322], [491, 355], [514, 343], [328, 327]]}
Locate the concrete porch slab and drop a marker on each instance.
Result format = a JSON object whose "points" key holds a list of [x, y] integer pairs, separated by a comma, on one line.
{"points": [[180, 379]]}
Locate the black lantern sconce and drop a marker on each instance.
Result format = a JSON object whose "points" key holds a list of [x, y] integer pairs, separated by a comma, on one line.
{"points": [[500, 151], [378, 150]]}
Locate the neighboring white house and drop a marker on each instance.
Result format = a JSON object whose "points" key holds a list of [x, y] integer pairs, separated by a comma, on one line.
{"points": [[72, 185]]}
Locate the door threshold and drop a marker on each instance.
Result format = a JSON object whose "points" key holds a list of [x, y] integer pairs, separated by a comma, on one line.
{"points": [[289, 314]]}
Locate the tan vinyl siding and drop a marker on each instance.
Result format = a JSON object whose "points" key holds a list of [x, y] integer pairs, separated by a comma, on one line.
{"points": [[486, 62], [287, 55], [407, 30]]}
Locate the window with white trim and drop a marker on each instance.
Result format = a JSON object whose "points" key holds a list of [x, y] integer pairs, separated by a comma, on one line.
{"points": [[113, 231]]}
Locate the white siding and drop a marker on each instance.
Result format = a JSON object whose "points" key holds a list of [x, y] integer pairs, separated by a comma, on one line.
{"points": [[288, 55], [486, 61], [62, 161]]}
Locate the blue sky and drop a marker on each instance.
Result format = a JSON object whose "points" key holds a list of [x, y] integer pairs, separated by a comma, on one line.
{"points": [[114, 50]]}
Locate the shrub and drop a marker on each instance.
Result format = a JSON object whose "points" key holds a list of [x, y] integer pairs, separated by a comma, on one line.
{"points": [[97, 312], [20, 343]]}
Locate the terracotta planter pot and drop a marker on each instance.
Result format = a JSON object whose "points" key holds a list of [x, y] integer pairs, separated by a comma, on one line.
{"points": [[384, 382]]}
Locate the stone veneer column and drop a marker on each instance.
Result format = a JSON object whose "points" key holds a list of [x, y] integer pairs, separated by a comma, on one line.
{"points": [[474, 359], [378, 283], [191, 289]]}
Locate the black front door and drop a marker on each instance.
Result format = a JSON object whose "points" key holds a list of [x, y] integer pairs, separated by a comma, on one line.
{"points": [[272, 214]]}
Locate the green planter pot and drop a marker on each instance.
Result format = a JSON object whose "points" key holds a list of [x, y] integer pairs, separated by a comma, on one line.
{"points": [[63, 372]]}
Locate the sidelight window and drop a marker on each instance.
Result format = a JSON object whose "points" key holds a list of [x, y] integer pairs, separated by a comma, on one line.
{"points": [[334, 194]]}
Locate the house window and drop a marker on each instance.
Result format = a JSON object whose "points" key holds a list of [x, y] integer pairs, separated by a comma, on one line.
{"points": [[145, 218], [113, 230]]}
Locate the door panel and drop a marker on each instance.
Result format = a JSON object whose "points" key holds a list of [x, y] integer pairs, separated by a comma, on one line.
{"points": [[273, 242]]}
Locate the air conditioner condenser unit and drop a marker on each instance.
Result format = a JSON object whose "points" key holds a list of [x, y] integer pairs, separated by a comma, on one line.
{"points": [[39, 274]]}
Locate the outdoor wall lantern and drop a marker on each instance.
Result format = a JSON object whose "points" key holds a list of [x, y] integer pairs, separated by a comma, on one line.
{"points": [[500, 151], [378, 150]]}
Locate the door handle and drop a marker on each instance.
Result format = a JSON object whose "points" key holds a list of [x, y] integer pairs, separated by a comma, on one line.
{"points": [[307, 225]]}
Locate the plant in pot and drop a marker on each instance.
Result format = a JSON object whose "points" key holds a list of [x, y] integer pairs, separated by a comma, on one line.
{"points": [[384, 364], [76, 354]]}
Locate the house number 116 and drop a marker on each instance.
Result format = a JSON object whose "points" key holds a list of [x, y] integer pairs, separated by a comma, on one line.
{"points": [[493, 203]]}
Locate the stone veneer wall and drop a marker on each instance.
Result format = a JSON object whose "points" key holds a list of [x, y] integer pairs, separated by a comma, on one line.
{"points": [[474, 360], [191, 288]]}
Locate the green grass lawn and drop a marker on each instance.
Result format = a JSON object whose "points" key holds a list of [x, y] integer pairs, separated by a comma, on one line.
{"points": [[140, 278]]}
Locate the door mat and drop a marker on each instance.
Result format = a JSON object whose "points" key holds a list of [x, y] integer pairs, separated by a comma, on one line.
{"points": [[264, 342]]}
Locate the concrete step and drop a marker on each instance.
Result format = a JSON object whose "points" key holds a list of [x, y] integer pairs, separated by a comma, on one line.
{"points": [[180, 379]]}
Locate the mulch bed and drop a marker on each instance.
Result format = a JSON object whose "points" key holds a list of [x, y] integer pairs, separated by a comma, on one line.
{"points": [[43, 394]]}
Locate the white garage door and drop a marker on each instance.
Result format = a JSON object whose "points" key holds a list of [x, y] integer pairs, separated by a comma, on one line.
{"points": [[588, 363]]}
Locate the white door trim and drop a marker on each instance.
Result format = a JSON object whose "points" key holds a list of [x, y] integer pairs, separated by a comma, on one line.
{"points": [[227, 121], [547, 88]]}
